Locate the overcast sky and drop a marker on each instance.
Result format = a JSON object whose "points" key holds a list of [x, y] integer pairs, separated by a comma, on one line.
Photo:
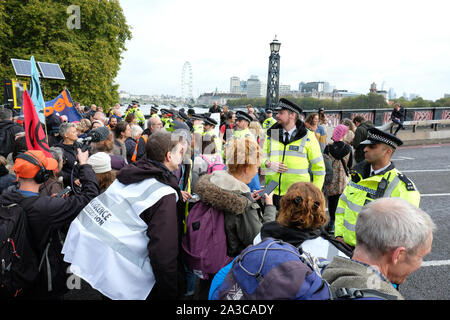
{"points": [[349, 43]]}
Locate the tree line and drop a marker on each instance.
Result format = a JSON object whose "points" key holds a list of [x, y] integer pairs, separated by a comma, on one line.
{"points": [[89, 54], [368, 101]]}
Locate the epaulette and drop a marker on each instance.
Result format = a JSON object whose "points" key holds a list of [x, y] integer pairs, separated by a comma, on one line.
{"points": [[354, 175], [409, 184]]}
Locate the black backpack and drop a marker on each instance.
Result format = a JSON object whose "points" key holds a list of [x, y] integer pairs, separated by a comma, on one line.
{"points": [[19, 263]]}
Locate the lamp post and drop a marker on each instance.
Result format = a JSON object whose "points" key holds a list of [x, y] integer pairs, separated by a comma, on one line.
{"points": [[273, 79]]}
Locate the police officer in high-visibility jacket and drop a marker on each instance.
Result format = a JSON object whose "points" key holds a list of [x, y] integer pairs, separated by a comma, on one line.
{"points": [[289, 150], [269, 121], [375, 177]]}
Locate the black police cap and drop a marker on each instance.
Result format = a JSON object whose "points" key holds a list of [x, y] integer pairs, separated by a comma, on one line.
{"points": [[375, 136], [210, 121], [288, 105], [242, 115]]}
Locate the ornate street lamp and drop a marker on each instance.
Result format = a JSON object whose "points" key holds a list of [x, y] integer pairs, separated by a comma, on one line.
{"points": [[273, 79]]}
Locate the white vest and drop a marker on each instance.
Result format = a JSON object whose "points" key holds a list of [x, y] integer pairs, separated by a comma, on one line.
{"points": [[107, 243]]}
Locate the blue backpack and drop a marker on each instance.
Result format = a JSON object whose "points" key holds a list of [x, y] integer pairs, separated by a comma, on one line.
{"points": [[271, 270], [276, 270]]}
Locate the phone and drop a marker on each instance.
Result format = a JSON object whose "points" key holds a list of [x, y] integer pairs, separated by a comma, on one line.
{"points": [[269, 188], [63, 192]]}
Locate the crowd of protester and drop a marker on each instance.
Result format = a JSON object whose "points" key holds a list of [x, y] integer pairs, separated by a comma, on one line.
{"points": [[148, 175]]}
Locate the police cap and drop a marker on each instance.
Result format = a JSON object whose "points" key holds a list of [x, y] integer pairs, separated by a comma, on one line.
{"points": [[375, 136], [242, 115], [288, 105], [210, 121]]}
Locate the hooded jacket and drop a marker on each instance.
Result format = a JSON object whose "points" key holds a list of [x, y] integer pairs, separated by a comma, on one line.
{"points": [[243, 217], [347, 273], [165, 227]]}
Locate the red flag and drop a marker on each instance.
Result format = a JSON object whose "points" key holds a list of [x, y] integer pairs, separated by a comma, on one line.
{"points": [[34, 132]]}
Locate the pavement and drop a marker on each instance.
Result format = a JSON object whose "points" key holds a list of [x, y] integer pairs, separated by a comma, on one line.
{"points": [[428, 167]]}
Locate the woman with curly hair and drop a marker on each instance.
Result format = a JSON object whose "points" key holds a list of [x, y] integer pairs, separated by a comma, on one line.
{"points": [[301, 222]]}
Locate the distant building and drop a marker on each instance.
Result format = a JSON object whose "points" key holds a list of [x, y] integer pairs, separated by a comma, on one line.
{"points": [[253, 87], [446, 95], [317, 86], [391, 93], [373, 89], [243, 86], [235, 85], [221, 98], [300, 86], [285, 90]]}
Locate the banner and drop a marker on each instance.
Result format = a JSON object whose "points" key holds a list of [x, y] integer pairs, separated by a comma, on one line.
{"points": [[63, 105], [36, 92], [34, 132]]}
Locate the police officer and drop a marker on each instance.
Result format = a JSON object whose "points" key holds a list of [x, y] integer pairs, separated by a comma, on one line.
{"points": [[241, 129], [139, 115], [166, 117], [269, 121], [375, 177], [289, 150], [154, 112]]}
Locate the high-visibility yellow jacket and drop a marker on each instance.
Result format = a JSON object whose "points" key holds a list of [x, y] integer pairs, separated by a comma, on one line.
{"points": [[268, 123], [140, 119], [298, 154], [198, 129], [363, 189]]}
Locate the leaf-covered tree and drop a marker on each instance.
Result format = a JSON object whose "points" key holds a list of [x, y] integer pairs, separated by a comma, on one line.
{"points": [[89, 56]]}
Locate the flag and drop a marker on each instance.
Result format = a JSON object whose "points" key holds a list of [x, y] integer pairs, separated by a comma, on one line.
{"points": [[34, 132], [36, 92], [63, 105]]}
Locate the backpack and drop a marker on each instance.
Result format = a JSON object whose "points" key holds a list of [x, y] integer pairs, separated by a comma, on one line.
{"points": [[328, 169], [19, 263], [276, 270], [217, 165], [205, 242], [272, 270]]}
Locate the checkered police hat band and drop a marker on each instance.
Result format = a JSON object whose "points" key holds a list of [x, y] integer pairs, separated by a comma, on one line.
{"points": [[376, 137], [281, 104]]}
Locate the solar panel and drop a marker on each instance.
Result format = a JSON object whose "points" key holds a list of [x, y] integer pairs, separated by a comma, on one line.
{"points": [[51, 71], [22, 67]]}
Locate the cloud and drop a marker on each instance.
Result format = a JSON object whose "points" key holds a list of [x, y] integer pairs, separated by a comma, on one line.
{"points": [[347, 43]]}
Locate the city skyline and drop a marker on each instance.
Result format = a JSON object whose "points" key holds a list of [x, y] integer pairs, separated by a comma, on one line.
{"points": [[350, 44]]}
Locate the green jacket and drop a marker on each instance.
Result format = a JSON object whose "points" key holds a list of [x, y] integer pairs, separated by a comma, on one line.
{"points": [[363, 189]]}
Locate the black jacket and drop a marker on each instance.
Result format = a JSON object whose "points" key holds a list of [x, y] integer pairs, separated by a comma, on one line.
{"points": [[165, 228], [296, 236], [360, 136], [400, 114], [45, 217], [8, 130], [70, 154]]}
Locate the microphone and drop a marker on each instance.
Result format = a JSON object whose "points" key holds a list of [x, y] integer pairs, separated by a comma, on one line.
{"points": [[95, 135]]}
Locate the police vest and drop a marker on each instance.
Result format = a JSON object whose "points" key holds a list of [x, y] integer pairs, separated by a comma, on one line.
{"points": [[268, 123], [360, 191], [298, 155], [134, 156], [107, 242]]}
